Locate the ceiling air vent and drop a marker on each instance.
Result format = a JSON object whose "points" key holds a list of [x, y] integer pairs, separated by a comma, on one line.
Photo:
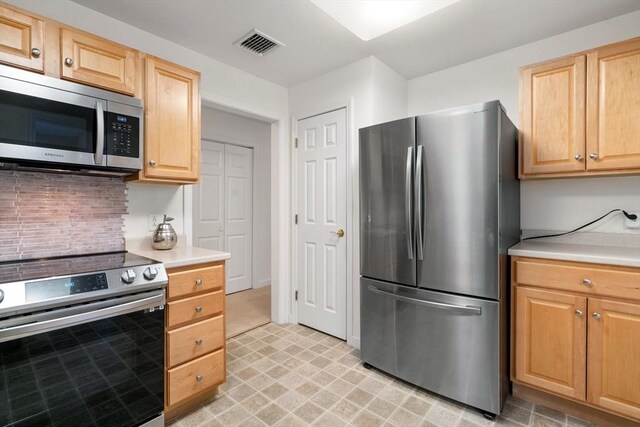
{"points": [[258, 42]]}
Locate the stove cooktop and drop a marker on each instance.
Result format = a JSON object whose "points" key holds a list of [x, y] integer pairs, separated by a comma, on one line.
{"points": [[41, 284], [31, 269]]}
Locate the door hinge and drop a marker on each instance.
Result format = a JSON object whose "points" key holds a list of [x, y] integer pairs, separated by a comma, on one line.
{"points": [[295, 219], [296, 295], [295, 141]]}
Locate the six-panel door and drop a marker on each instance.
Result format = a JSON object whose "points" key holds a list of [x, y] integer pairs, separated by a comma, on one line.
{"points": [[21, 40], [551, 331], [552, 117], [613, 107], [614, 356]]}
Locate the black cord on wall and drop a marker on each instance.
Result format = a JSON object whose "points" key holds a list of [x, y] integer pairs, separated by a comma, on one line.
{"points": [[632, 217]]}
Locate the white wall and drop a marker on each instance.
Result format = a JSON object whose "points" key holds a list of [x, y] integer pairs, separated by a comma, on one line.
{"points": [[221, 126], [221, 85], [551, 204], [373, 93]]}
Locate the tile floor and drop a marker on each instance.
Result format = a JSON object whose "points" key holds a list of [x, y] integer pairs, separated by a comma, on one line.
{"points": [[295, 376]]}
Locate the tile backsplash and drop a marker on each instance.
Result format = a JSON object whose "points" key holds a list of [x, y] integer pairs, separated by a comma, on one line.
{"points": [[48, 214]]}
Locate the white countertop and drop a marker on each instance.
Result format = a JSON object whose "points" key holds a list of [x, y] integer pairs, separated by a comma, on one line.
{"points": [[614, 255], [179, 256]]}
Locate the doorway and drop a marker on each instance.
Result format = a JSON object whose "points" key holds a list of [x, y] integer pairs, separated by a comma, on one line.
{"points": [[231, 211], [321, 209]]}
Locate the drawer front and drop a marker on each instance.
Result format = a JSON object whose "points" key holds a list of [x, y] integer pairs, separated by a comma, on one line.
{"points": [[184, 283], [193, 341], [187, 380], [194, 308], [585, 278]]}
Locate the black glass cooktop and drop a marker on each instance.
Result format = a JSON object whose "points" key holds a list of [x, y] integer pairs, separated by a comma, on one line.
{"points": [[17, 271]]}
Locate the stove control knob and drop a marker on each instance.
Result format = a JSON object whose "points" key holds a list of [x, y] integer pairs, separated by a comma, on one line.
{"points": [[150, 273], [1, 295], [128, 276]]}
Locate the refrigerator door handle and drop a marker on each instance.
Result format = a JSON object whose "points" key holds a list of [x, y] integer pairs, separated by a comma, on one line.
{"points": [[470, 309], [407, 201], [418, 201]]}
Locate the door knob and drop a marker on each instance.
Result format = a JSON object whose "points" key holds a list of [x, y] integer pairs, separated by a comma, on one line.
{"points": [[199, 378], [198, 282], [339, 233], [152, 162], [579, 313], [593, 156], [586, 282], [35, 52], [68, 62], [578, 157], [199, 341], [596, 315], [199, 309]]}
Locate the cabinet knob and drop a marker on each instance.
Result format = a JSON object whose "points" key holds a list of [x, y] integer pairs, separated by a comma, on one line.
{"points": [[199, 309], [68, 62], [199, 378], [198, 282], [596, 315], [578, 157], [578, 313], [199, 341], [593, 156], [35, 52], [586, 282], [152, 162]]}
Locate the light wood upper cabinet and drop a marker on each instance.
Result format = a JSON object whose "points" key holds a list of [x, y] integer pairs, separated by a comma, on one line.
{"points": [[613, 107], [614, 356], [97, 62], [580, 115], [172, 122], [21, 40], [552, 117], [551, 330]]}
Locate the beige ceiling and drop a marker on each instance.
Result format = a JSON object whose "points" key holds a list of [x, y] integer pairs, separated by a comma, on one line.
{"points": [[315, 43]]}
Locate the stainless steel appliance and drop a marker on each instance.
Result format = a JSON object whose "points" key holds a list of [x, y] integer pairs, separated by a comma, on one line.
{"points": [[82, 341], [60, 125], [439, 206]]}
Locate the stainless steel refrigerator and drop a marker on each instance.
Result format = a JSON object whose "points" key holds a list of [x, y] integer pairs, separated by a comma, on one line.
{"points": [[439, 207]]}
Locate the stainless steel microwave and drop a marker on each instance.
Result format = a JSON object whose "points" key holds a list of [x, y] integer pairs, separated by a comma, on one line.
{"points": [[60, 125]]}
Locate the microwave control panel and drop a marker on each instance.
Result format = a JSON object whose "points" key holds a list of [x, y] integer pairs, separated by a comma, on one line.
{"points": [[122, 135]]}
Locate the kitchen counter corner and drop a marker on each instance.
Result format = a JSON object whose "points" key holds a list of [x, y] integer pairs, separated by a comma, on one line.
{"points": [[179, 256]]}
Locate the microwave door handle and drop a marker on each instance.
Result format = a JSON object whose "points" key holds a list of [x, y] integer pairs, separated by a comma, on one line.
{"points": [[97, 156]]}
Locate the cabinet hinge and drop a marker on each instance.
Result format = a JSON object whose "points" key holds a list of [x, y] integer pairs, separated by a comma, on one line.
{"points": [[296, 295], [295, 141], [295, 219]]}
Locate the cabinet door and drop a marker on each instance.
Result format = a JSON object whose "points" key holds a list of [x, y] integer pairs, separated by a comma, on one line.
{"points": [[552, 117], [21, 40], [172, 128], [613, 107], [551, 341], [97, 62], [614, 356]]}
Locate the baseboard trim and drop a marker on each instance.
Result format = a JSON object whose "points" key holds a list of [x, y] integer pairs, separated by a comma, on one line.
{"points": [[262, 283]]}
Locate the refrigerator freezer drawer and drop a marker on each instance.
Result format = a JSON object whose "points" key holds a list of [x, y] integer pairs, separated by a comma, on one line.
{"points": [[444, 343]]}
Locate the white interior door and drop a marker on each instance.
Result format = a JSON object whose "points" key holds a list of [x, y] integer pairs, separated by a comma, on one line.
{"points": [[322, 214], [238, 216], [209, 199], [223, 209]]}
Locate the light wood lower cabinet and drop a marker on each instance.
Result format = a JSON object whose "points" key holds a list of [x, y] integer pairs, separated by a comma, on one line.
{"points": [[195, 344], [576, 332], [551, 334], [614, 356]]}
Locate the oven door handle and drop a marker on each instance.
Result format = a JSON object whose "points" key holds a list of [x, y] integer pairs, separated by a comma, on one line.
{"points": [[89, 314]]}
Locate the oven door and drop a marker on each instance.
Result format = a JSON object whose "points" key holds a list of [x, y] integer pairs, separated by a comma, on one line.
{"points": [[99, 363]]}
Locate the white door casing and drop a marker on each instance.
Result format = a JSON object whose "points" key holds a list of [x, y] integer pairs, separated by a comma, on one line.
{"points": [[321, 176], [223, 209], [238, 217]]}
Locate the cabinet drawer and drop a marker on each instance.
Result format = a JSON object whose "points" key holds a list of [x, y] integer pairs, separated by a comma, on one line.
{"points": [[194, 377], [183, 283], [193, 341], [586, 278], [194, 308]]}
